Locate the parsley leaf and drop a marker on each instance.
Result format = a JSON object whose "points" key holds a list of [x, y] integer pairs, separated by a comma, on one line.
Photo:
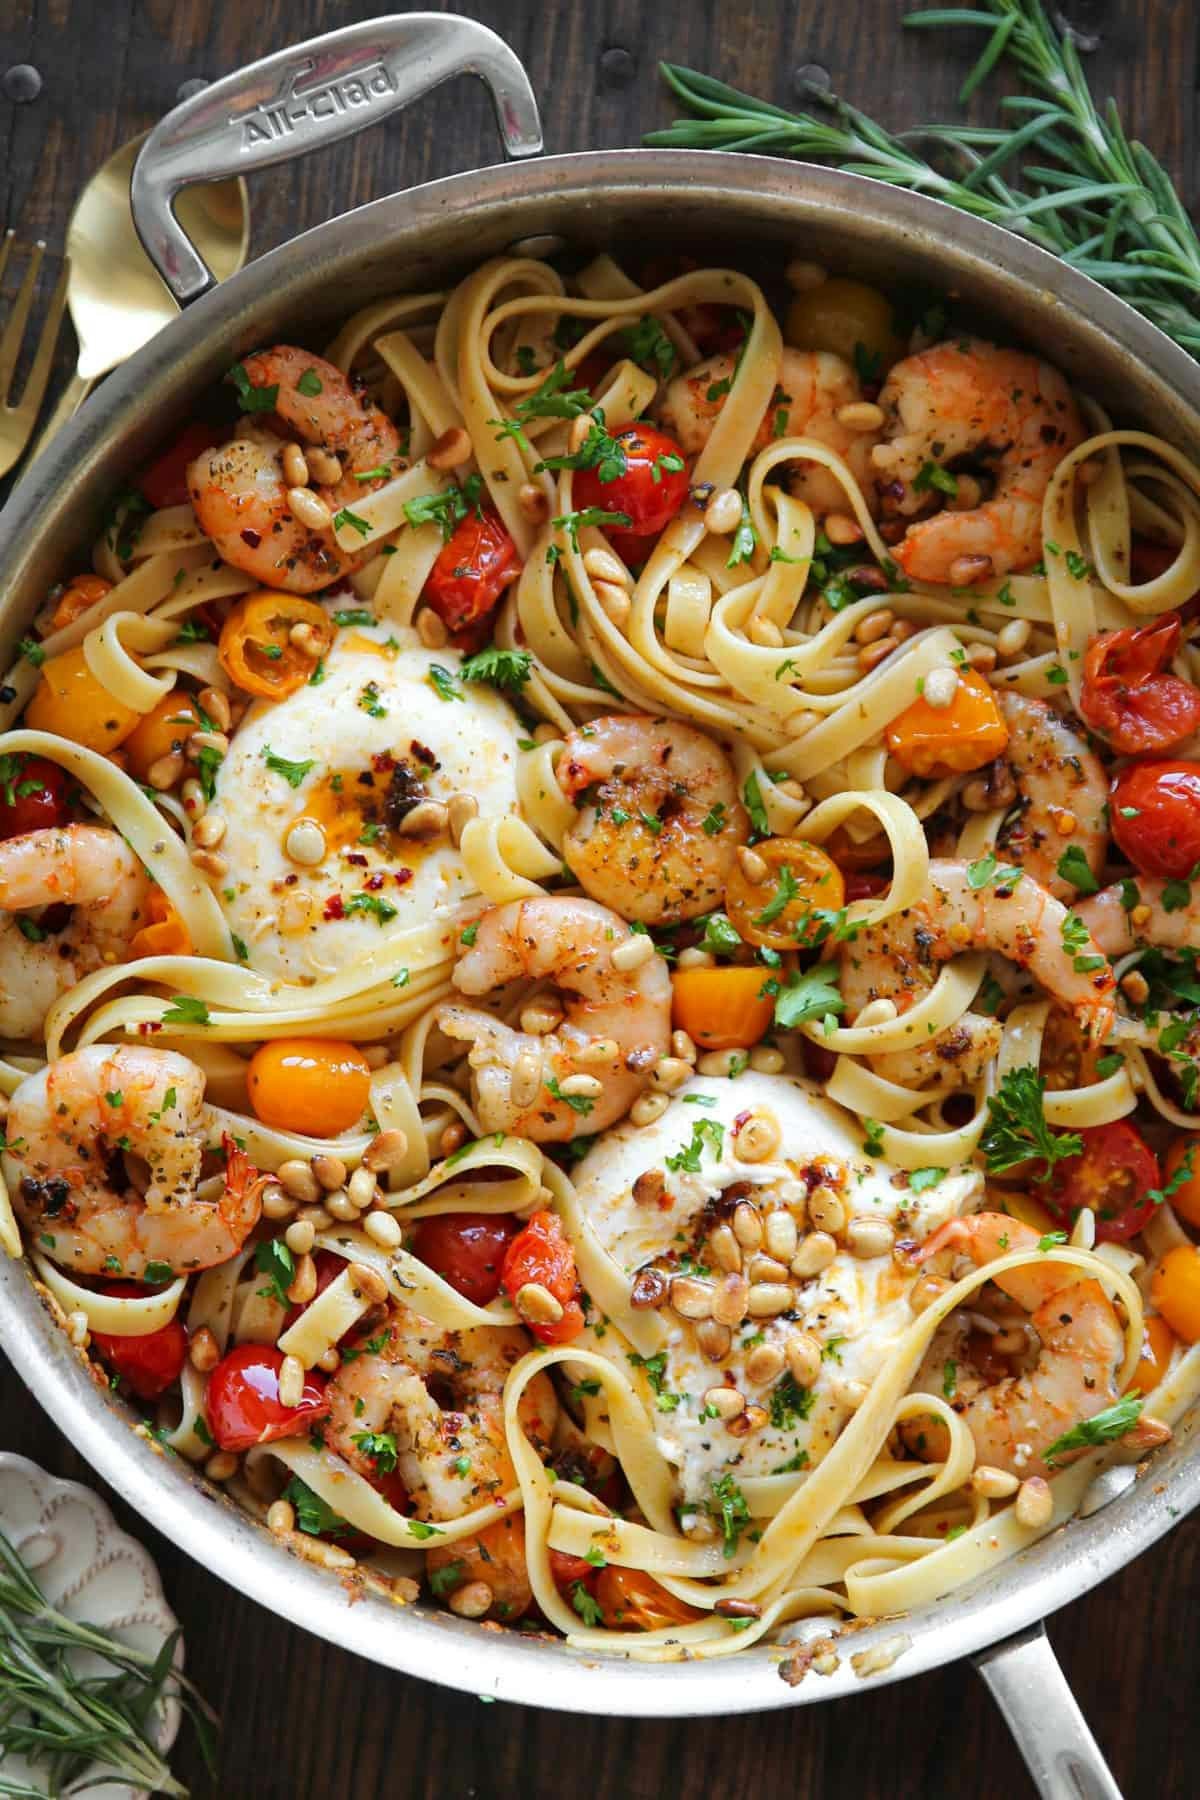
{"points": [[1103, 1428], [784, 894], [1073, 867], [1017, 1128], [185, 1009], [274, 1260], [688, 1159], [442, 683], [573, 522], [988, 870], [379, 1447], [647, 344], [251, 399], [728, 1507], [809, 994], [375, 905], [502, 668], [932, 476], [753, 800], [293, 772], [655, 1369], [589, 1609], [789, 1402], [921, 1179]]}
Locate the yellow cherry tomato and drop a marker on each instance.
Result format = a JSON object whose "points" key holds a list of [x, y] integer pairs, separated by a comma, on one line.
{"points": [[166, 728], [319, 1086], [631, 1600], [800, 880], [256, 648], [71, 702], [1186, 1197], [722, 1009], [164, 935], [1175, 1291], [950, 740], [841, 315], [1158, 1341]]}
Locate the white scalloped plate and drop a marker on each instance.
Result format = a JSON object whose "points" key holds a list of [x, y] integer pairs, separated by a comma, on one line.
{"points": [[90, 1570]]}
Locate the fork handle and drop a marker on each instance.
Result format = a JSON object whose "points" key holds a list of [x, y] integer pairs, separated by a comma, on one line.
{"points": [[66, 406], [304, 98]]}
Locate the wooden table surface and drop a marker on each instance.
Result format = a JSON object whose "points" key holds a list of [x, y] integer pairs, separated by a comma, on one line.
{"points": [[304, 1719]]}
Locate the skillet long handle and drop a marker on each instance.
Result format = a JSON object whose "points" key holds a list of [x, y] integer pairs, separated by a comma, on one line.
{"points": [[1040, 1710], [304, 98]]}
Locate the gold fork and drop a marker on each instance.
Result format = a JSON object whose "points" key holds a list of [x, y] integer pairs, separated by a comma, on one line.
{"points": [[17, 421]]}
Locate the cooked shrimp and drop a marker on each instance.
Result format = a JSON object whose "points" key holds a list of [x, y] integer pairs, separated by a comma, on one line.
{"points": [[1119, 928], [898, 961], [1015, 1420], [1063, 791], [89, 867], [1002, 408], [617, 1024], [660, 818], [812, 388], [103, 1157], [437, 1396], [239, 491]]}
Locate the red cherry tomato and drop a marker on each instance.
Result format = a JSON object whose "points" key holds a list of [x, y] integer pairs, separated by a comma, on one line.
{"points": [[1112, 1177], [472, 570], [631, 547], [150, 1364], [467, 1250], [542, 1253], [862, 886], [565, 1568], [1129, 697], [242, 1401], [34, 794], [164, 481], [649, 504], [1155, 813]]}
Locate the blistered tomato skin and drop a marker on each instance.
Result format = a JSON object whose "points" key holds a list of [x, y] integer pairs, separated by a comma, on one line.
{"points": [[35, 794], [542, 1254], [472, 571], [1129, 694], [1155, 814], [149, 1364], [652, 489], [242, 1404], [467, 1250], [1114, 1177]]}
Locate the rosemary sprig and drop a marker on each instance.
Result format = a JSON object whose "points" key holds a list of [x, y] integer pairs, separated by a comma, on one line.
{"points": [[64, 1722], [1102, 202]]}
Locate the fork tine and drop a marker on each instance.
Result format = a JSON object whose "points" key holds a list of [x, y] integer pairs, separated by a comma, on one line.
{"points": [[14, 331], [35, 387], [9, 235]]}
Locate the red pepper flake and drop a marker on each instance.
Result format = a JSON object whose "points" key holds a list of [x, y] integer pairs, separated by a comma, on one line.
{"points": [[403, 877], [334, 907], [383, 763], [374, 881], [424, 754], [357, 858], [741, 1120], [251, 537]]}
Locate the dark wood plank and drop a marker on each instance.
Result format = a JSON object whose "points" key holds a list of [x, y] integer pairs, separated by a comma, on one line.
{"points": [[303, 1719]]}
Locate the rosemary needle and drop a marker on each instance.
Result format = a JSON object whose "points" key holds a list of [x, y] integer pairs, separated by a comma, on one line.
{"points": [[1099, 200]]}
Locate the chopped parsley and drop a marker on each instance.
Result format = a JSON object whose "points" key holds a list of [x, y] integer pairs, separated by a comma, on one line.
{"points": [[647, 344], [310, 384], [354, 615], [502, 668], [379, 1447], [931, 476], [185, 1009], [1073, 867], [588, 1608], [744, 541], [252, 399], [790, 1403], [809, 994], [442, 682], [293, 772], [655, 1370], [447, 509], [988, 871], [688, 1158], [1076, 938], [313, 1515], [371, 702], [573, 522], [1017, 1130], [728, 1507], [374, 905], [949, 1380], [753, 801], [921, 1179], [274, 1261], [786, 891], [1104, 1428]]}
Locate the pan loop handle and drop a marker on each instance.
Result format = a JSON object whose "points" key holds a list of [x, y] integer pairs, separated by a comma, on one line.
{"points": [[1040, 1710], [304, 98]]}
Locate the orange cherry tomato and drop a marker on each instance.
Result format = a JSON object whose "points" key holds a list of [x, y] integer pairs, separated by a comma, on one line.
{"points": [[631, 1600], [1186, 1197], [160, 731], [802, 880], [722, 1009], [316, 1085], [542, 1253], [1175, 1291], [79, 596], [72, 703], [950, 740], [256, 650], [165, 935], [1158, 1341]]}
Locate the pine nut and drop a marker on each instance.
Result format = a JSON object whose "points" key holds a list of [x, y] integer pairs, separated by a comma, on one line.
{"points": [[751, 1420], [939, 688], [769, 1298], [648, 1108], [727, 1252], [208, 831], [330, 1360], [295, 469], [993, 1484], [860, 415], [670, 1073], [803, 1357], [317, 1217], [385, 1151], [602, 565], [341, 1207], [300, 1236], [637, 949], [309, 509], [427, 819], [848, 1393], [816, 1252], [766, 1268], [614, 600], [281, 1514], [276, 1205], [191, 795], [764, 1364], [582, 1087], [471, 1601], [221, 1465], [802, 276], [764, 632], [982, 657], [297, 1177], [208, 740], [874, 625], [210, 863], [165, 771], [361, 1188], [533, 502], [842, 530], [541, 1017], [537, 1304], [721, 1062], [204, 1352], [753, 866], [305, 843], [683, 1046], [1012, 638], [330, 1171], [726, 1402], [215, 706], [460, 810], [369, 1282], [691, 1298], [729, 1302], [780, 1235], [965, 571], [451, 450], [430, 629], [526, 1082], [713, 1340], [758, 1137], [324, 465], [383, 1230], [648, 1289], [1034, 1505], [874, 654], [1135, 987], [291, 1381], [747, 1225], [765, 1059], [869, 1237], [306, 640], [826, 1210], [723, 513]]}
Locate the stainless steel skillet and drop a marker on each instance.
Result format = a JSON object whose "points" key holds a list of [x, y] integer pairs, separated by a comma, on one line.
{"points": [[738, 208]]}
